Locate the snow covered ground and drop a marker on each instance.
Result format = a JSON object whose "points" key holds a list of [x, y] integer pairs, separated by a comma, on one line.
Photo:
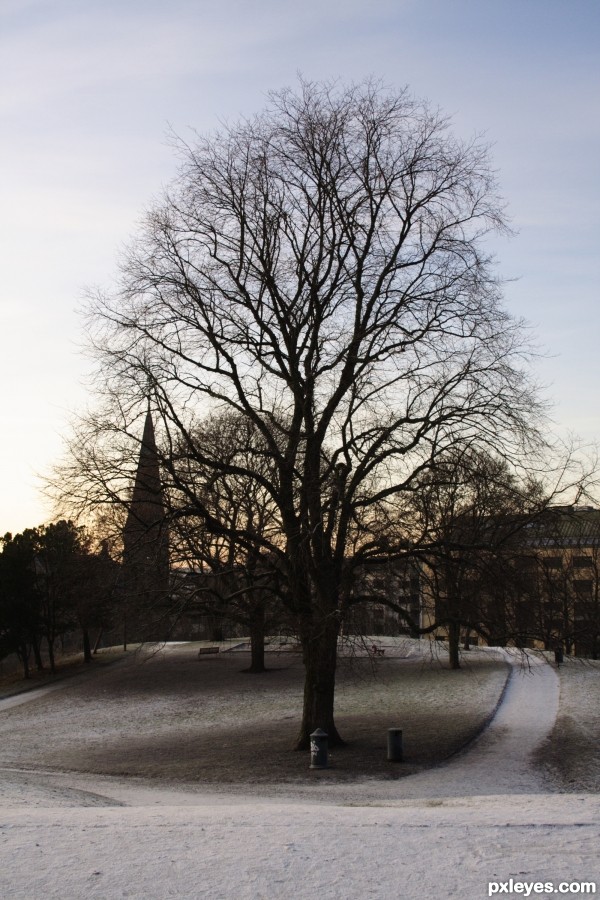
{"points": [[486, 815]]}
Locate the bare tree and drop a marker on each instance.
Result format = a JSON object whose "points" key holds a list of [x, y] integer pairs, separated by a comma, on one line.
{"points": [[321, 271], [469, 510], [234, 565], [52, 583]]}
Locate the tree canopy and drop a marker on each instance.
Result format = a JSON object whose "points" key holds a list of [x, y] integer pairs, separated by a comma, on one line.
{"points": [[320, 272]]}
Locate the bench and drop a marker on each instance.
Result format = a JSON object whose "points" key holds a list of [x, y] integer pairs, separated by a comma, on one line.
{"points": [[202, 651]]}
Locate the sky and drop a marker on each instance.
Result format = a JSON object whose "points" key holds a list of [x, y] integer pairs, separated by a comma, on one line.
{"points": [[91, 91]]}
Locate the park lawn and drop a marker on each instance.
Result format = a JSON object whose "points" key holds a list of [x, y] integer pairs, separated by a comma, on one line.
{"points": [[174, 716], [571, 755]]}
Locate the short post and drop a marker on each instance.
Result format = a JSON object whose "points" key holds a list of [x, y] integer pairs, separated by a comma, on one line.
{"points": [[394, 744], [558, 655], [318, 749]]}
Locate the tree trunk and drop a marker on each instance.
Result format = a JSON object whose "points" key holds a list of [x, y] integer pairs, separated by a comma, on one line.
{"points": [[257, 641], [23, 652], [37, 654], [87, 647], [319, 650], [51, 655], [216, 629], [454, 643]]}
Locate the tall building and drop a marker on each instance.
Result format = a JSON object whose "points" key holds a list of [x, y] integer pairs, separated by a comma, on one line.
{"points": [[146, 547]]}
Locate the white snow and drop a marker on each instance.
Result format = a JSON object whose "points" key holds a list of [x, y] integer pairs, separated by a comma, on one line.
{"points": [[484, 816], [499, 761]]}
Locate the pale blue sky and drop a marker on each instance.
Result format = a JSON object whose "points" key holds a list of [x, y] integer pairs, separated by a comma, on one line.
{"points": [[89, 90]]}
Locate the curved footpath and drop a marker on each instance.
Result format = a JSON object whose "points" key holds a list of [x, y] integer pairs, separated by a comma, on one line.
{"points": [[499, 761], [483, 817]]}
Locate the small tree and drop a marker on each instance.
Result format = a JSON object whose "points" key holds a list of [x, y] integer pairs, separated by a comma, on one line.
{"points": [[472, 513], [20, 601], [50, 583], [58, 550], [235, 548]]}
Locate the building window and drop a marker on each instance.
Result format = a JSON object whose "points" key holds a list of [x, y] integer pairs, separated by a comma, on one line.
{"points": [[583, 588]]}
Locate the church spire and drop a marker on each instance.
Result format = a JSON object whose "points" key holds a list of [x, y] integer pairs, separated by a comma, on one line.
{"points": [[147, 505], [145, 539]]}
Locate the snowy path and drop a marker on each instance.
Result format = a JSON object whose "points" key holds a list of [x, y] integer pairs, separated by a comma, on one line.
{"points": [[499, 761], [484, 816]]}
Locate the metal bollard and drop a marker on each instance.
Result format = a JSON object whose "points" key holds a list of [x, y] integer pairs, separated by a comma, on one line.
{"points": [[394, 744], [318, 749]]}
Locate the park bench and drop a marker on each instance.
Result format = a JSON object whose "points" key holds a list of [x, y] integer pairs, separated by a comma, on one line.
{"points": [[202, 651]]}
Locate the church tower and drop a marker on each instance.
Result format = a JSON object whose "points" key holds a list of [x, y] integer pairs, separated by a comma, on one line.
{"points": [[146, 546]]}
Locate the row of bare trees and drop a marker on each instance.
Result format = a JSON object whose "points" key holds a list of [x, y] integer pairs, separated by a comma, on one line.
{"points": [[314, 312], [506, 562], [52, 584]]}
